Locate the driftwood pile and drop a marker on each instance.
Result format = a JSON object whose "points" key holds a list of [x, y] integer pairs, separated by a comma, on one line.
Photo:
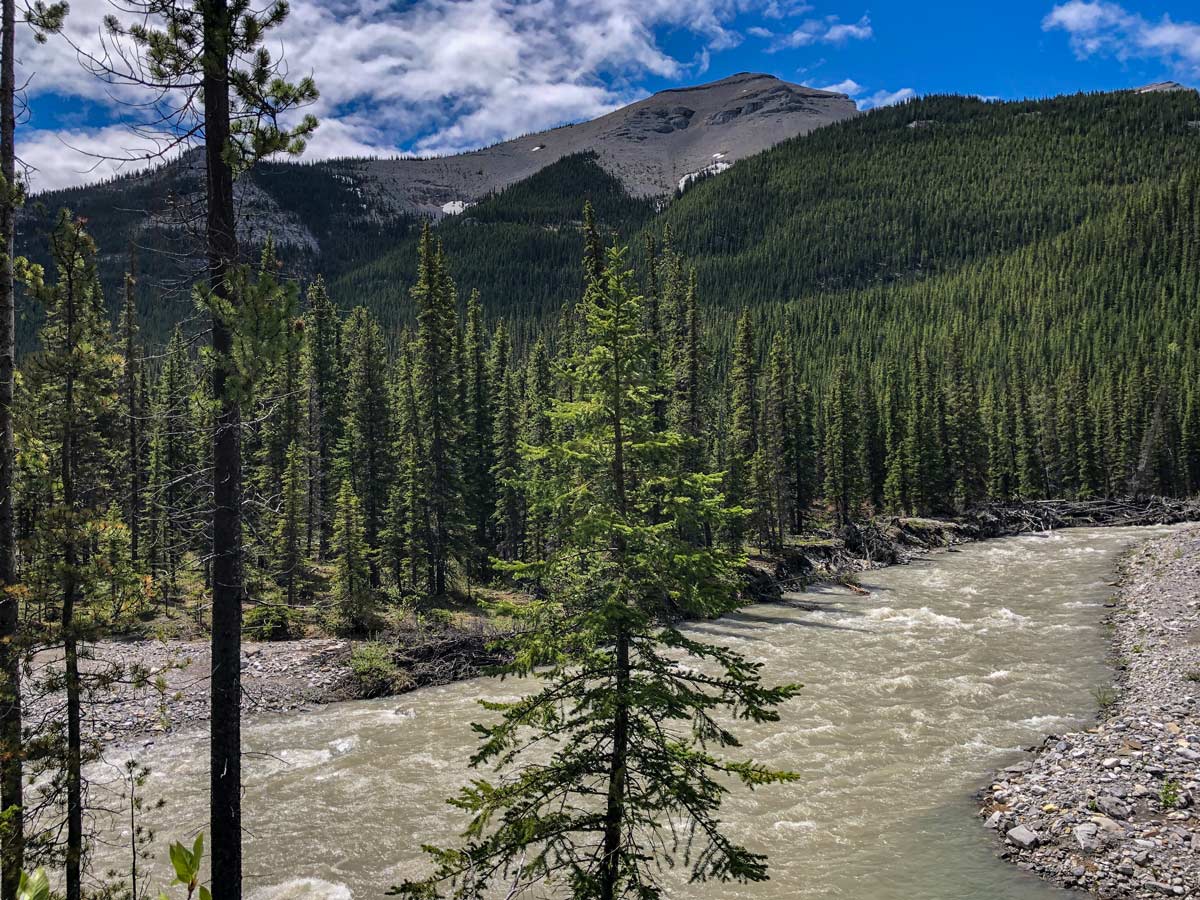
{"points": [[441, 654]]}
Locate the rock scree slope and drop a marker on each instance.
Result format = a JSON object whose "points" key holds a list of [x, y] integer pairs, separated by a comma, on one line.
{"points": [[650, 145]]}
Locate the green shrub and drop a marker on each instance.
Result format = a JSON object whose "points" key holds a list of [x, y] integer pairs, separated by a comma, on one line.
{"points": [[1168, 794], [271, 622], [374, 670]]}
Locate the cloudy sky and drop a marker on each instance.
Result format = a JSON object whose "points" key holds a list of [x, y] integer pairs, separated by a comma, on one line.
{"points": [[440, 76]]}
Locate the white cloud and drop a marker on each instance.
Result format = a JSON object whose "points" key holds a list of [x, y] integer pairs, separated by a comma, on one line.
{"points": [[69, 157], [828, 30], [1097, 27], [859, 31], [886, 98], [437, 76], [866, 101], [850, 87]]}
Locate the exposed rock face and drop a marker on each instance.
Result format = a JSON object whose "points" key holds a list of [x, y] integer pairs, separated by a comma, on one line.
{"points": [[650, 145], [1160, 86]]}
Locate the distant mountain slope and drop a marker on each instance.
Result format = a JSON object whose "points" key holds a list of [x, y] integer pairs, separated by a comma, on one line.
{"points": [[649, 146], [928, 186], [348, 216]]}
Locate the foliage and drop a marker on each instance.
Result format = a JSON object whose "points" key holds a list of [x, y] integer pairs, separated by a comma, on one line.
{"points": [[374, 669]]}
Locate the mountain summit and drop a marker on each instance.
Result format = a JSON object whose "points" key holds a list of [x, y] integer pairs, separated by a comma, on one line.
{"points": [[653, 146]]}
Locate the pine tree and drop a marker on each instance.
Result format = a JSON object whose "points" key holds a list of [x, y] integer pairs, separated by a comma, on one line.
{"points": [[288, 545], [479, 481], [131, 379], [364, 455], [174, 467], [43, 18], [635, 730], [436, 388], [323, 377], [353, 593], [78, 368]]}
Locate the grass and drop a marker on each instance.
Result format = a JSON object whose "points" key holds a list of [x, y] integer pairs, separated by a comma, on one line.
{"points": [[1106, 698]]}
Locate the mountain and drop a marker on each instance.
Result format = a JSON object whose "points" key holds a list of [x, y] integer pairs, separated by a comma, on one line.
{"points": [[651, 146], [341, 217]]}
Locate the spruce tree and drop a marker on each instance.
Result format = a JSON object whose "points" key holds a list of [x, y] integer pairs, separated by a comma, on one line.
{"points": [[353, 593], [743, 420], [478, 478], [436, 390], [288, 544], [323, 378], [636, 730], [364, 454], [843, 447]]}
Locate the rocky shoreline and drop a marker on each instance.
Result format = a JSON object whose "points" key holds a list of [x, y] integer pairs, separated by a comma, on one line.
{"points": [[1112, 810]]}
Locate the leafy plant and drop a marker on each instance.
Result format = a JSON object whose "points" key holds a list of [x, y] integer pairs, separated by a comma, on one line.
{"points": [[271, 622], [34, 887], [1168, 794], [1106, 698], [187, 869], [373, 668]]}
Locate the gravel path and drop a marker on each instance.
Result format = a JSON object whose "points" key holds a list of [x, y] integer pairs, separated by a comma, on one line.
{"points": [[1112, 810]]}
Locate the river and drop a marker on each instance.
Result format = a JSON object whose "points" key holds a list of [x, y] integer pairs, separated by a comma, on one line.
{"points": [[913, 694]]}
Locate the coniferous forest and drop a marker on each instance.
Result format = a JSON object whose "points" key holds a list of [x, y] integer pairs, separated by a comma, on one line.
{"points": [[568, 412]]}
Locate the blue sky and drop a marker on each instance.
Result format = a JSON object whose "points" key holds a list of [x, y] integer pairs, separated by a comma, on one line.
{"points": [[440, 76]]}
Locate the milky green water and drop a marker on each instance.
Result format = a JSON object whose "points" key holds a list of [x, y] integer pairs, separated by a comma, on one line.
{"points": [[914, 694]]}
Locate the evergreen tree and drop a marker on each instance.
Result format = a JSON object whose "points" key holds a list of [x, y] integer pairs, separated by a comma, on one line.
{"points": [[364, 456], [743, 416], [289, 560], [843, 449], [353, 594], [436, 388], [479, 481], [635, 730], [509, 514], [78, 369], [324, 380]]}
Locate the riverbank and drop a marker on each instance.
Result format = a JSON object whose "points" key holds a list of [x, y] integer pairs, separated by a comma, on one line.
{"points": [[285, 676], [1113, 809]]}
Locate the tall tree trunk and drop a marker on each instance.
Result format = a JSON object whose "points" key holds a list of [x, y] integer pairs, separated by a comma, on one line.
{"points": [[614, 813], [134, 424], [74, 856], [225, 783], [12, 856]]}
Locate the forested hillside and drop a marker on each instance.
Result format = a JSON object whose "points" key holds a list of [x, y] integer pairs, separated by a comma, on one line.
{"points": [[915, 311]]}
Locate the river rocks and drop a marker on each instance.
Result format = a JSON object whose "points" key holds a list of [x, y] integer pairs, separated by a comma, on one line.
{"points": [[1086, 836], [1109, 809], [1023, 837], [1112, 807], [276, 677]]}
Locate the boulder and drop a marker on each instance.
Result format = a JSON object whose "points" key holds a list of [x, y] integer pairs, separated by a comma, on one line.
{"points": [[1025, 838]]}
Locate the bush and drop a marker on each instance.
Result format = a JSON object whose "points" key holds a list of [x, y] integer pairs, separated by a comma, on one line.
{"points": [[271, 622], [374, 670]]}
